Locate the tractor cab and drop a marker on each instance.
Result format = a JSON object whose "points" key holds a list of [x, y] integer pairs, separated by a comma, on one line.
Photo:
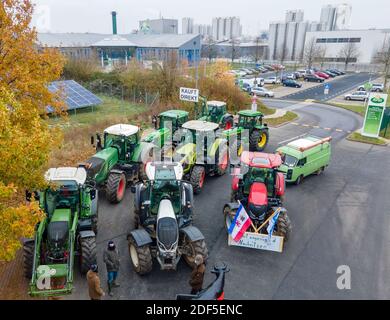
{"points": [[123, 137], [216, 110], [176, 117], [250, 119]]}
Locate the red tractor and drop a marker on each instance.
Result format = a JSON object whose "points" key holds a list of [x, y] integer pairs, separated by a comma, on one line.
{"points": [[259, 187]]}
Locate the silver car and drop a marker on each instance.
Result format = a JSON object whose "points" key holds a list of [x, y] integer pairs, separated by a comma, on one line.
{"points": [[262, 92], [358, 95]]}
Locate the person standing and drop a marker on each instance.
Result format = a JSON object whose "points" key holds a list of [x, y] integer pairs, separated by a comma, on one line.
{"points": [[94, 289], [112, 260], [197, 274]]}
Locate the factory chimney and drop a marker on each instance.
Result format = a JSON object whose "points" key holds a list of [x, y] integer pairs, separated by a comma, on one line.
{"points": [[114, 30]]}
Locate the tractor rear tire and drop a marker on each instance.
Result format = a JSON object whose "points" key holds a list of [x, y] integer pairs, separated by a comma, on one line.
{"points": [[197, 247], [87, 254], [197, 178], [116, 186], [256, 137], [144, 263], [95, 224], [284, 226], [221, 169], [28, 257]]}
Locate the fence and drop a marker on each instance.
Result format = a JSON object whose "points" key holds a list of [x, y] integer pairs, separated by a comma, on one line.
{"points": [[133, 95]]}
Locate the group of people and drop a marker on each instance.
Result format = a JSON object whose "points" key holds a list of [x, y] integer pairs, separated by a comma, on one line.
{"points": [[111, 259]]}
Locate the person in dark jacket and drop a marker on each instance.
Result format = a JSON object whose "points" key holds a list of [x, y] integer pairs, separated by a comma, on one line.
{"points": [[94, 289], [112, 260], [197, 275]]}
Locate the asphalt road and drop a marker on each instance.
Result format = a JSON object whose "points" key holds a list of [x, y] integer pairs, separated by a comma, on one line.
{"points": [[337, 87], [339, 218]]}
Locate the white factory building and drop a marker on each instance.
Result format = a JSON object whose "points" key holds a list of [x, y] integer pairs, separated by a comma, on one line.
{"points": [[367, 43]]}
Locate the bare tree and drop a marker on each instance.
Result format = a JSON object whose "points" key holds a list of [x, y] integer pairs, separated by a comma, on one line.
{"points": [[311, 52], [349, 53], [321, 55], [257, 53], [234, 50], [383, 57], [210, 50]]}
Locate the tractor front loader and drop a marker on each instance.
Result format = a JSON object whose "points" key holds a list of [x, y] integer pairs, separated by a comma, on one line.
{"points": [[68, 231]]}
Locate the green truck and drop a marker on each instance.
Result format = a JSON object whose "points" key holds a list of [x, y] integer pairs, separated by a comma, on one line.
{"points": [[304, 156]]}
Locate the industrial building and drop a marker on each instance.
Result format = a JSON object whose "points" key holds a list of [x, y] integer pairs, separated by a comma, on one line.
{"points": [[159, 26], [366, 42], [226, 28], [336, 17], [120, 48], [249, 50]]}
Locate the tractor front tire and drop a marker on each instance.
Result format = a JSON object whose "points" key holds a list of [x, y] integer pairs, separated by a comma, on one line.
{"points": [[87, 254], [197, 178], [28, 257], [116, 186], [258, 140], [141, 258], [197, 247], [284, 227]]}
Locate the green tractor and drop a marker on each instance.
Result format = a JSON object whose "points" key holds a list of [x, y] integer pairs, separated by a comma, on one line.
{"points": [[68, 230], [163, 209], [214, 111], [163, 136], [212, 160], [258, 132], [120, 159]]}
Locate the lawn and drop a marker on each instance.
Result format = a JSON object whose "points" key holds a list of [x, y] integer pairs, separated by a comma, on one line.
{"points": [[355, 136], [264, 109], [289, 116], [351, 107], [111, 107]]}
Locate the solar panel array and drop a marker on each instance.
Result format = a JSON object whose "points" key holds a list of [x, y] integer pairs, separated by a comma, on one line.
{"points": [[75, 95]]}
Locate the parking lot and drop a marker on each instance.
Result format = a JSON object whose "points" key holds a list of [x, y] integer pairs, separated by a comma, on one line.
{"points": [[339, 218]]}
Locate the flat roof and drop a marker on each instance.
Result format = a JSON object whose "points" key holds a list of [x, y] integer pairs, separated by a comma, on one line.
{"points": [[199, 125], [216, 103], [64, 40], [250, 113], [122, 130], [174, 113], [79, 175]]}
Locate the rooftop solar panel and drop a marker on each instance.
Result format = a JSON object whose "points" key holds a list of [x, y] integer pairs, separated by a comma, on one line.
{"points": [[75, 95]]}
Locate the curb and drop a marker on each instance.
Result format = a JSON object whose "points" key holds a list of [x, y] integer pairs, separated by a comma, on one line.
{"points": [[387, 142]]}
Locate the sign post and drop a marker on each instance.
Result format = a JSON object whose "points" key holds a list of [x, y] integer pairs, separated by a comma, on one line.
{"points": [[188, 94], [374, 114], [254, 102], [326, 89]]}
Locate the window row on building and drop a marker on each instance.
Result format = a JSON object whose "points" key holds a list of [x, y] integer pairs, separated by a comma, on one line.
{"points": [[338, 40]]}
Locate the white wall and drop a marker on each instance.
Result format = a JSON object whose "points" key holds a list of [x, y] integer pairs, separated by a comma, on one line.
{"points": [[371, 41]]}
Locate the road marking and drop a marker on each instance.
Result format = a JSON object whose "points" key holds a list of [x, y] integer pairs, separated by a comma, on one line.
{"points": [[339, 130], [305, 125], [327, 129]]}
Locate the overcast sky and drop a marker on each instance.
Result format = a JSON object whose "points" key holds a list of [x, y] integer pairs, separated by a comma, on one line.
{"points": [[94, 15]]}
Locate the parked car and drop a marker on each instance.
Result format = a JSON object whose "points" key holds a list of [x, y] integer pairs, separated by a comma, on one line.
{"points": [[330, 73], [262, 92], [313, 78], [291, 83], [246, 87], [301, 73], [272, 80], [322, 75], [376, 87], [278, 67], [290, 76], [358, 95], [270, 68], [337, 72]]}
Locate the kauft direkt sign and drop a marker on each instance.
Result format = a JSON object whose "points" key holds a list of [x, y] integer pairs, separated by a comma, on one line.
{"points": [[189, 94], [374, 114]]}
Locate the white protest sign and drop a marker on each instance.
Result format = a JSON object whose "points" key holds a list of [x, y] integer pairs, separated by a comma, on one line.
{"points": [[188, 94], [258, 241]]}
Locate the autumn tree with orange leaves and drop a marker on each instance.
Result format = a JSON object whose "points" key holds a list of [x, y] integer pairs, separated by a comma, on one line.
{"points": [[25, 138]]}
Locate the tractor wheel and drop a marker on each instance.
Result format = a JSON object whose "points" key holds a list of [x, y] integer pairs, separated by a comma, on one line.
{"points": [[140, 257], [222, 162], [28, 257], [116, 186], [196, 247], [197, 177], [299, 180], [228, 123], [258, 140], [236, 149], [88, 253], [284, 227], [136, 220]]}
